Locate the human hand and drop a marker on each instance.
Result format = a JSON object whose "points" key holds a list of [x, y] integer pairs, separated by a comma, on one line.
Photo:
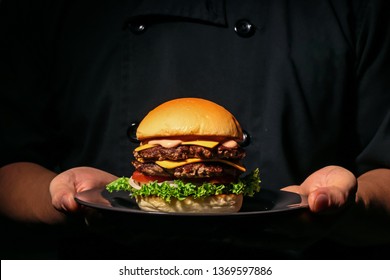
{"points": [[328, 189], [66, 184]]}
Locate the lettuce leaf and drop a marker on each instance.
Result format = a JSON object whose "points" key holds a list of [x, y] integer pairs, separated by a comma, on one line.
{"points": [[247, 185]]}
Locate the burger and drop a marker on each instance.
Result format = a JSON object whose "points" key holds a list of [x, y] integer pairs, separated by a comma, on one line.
{"points": [[189, 160]]}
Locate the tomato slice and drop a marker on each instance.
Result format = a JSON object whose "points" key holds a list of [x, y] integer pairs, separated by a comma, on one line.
{"points": [[142, 178]]}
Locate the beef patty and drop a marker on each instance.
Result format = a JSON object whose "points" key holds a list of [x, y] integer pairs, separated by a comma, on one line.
{"points": [[184, 152], [145, 161], [191, 170]]}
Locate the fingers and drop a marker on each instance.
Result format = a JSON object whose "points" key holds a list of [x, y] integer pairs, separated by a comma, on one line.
{"points": [[333, 192], [66, 184], [327, 189], [323, 199], [320, 199]]}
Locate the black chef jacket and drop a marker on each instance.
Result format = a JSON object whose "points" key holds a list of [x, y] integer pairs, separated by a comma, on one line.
{"points": [[308, 80]]}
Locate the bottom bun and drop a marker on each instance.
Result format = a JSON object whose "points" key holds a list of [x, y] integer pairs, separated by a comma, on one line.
{"points": [[223, 203]]}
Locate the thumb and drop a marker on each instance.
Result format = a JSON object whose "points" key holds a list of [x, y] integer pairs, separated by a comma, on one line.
{"points": [[68, 203], [62, 191], [63, 196], [327, 199]]}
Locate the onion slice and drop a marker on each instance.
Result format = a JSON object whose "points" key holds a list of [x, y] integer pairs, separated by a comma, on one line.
{"points": [[134, 184]]}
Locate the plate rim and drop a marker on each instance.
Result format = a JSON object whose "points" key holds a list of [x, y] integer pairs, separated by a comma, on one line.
{"points": [[291, 207]]}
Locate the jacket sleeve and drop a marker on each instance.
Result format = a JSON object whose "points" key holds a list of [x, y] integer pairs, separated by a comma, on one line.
{"points": [[373, 86]]}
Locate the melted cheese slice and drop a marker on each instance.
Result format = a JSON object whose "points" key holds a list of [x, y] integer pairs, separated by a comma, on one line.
{"points": [[168, 164], [207, 144], [144, 147]]}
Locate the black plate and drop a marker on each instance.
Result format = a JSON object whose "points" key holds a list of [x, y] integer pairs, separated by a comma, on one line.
{"points": [[265, 223], [266, 202]]}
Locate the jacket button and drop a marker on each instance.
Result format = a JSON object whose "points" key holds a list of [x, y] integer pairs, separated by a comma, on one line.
{"points": [[244, 28], [131, 132], [246, 139], [136, 27]]}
